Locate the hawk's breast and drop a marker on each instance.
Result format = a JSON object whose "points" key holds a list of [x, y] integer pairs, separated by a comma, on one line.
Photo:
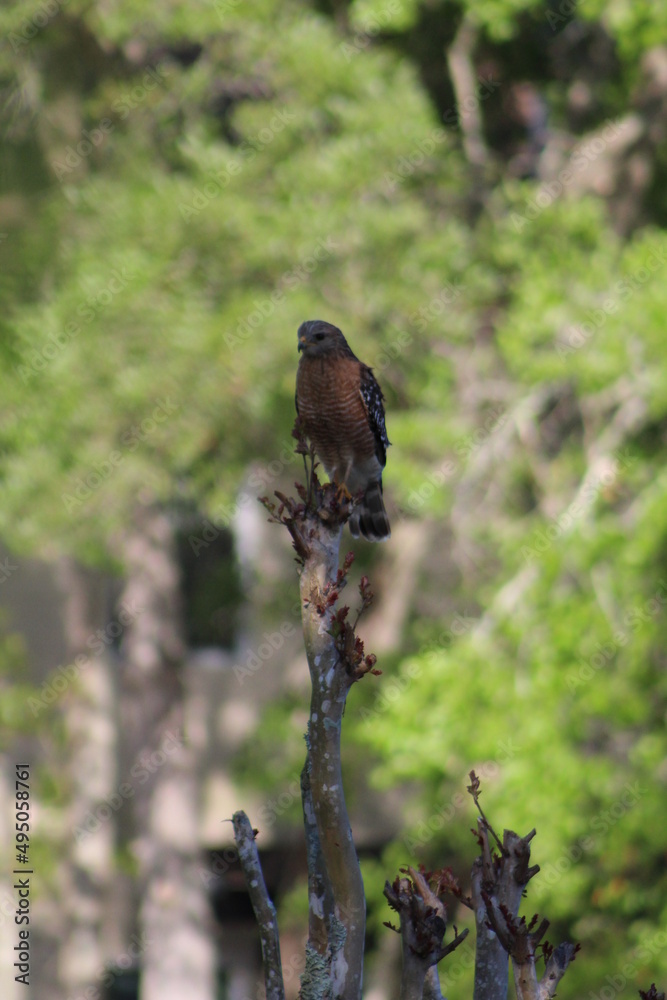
{"points": [[333, 412]]}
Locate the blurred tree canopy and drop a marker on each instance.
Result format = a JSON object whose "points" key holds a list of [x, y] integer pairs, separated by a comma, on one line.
{"points": [[476, 194]]}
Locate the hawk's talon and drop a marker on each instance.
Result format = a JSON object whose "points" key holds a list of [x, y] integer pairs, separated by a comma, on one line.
{"points": [[343, 494]]}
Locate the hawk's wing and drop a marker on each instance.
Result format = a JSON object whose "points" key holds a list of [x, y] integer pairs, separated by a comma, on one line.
{"points": [[372, 398]]}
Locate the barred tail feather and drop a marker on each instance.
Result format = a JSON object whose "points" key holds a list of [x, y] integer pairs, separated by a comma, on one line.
{"points": [[370, 517]]}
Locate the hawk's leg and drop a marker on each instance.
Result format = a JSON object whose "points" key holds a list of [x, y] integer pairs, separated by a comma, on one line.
{"points": [[342, 492]]}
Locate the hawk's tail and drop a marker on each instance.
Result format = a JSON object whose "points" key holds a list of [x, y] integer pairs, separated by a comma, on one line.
{"points": [[370, 517]]}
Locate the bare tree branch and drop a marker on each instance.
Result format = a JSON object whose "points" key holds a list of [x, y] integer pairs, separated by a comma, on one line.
{"points": [[265, 911], [522, 944], [556, 968]]}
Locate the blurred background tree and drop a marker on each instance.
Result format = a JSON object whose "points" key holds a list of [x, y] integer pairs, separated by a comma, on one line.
{"points": [[475, 194]]}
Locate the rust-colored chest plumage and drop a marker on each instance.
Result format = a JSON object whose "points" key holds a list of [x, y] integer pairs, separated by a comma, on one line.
{"points": [[332, 410]]}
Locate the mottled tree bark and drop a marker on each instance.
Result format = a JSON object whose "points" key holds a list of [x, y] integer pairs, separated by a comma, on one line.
{"points": [[491, 959], [499, 888], [320, 893], [342, 884]]}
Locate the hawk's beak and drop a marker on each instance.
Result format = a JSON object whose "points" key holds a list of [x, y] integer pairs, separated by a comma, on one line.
{"points": [[302, 343]]}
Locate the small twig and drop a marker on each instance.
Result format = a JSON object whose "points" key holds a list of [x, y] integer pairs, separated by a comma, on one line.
{"points": [[475, 790], [306, 449], [308, 476], [265, 911], [367, 598]]}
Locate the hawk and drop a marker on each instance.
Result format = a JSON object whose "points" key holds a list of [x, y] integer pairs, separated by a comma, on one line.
{"points": [[340, 406]]}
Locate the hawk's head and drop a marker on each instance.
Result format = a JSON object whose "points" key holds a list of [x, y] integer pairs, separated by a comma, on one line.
{"points": [[317, 338]]}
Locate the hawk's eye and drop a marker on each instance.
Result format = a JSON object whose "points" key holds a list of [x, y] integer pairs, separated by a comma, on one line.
{"points": [[320, 336]]}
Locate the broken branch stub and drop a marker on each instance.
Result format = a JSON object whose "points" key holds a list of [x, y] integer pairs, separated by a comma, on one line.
{"points": [[423, 923], [498, 883]]}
